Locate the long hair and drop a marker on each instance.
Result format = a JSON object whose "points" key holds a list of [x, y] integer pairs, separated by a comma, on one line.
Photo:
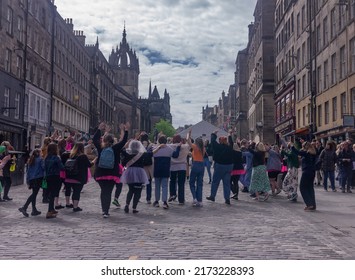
{"points": [[77, 150], [52, 149], [199, 144], [35, 154], [309, 148]]}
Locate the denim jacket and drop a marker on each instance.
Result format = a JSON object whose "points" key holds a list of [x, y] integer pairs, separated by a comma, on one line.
{"points": [[52, 166], [35, 171]]}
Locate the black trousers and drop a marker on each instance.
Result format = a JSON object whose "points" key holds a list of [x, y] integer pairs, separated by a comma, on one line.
{"points": [[54, 184], [35, 185], [135, 191], [6, 184], [106, 194], [76, 188], [118, 190], [234, 184], [307, 188]]}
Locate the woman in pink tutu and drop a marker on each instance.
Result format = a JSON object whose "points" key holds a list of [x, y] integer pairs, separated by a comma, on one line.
{"points": [[134, 159]]}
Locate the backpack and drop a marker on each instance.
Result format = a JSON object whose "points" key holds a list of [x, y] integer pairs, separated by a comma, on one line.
{"points": [[71, 167], [107, 158]]}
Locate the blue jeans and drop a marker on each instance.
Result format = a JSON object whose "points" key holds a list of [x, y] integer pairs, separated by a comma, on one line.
{"points": [[207, 164], [221, 172], [346, 173], [331, 176], [196, 180], [163, 182], [180, 177]]}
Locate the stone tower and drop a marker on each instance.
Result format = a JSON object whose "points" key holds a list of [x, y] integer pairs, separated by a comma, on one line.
{"points": [[125, 64]]}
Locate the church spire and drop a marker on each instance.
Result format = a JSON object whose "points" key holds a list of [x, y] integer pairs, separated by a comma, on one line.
{"points": [[150, 89], [124, 40]]}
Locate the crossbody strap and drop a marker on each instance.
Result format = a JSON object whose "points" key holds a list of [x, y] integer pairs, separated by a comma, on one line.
{"points": [[134, 159]]}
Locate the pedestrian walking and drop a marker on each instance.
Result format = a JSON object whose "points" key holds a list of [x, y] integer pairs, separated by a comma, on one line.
{"points": [[34, 178]]}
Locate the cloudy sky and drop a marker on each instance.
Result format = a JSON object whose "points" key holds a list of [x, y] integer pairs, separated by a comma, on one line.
{"points": [[188, 47]]}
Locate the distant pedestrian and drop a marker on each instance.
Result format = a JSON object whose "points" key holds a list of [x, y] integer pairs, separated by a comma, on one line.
{"points": [[162, 162], [34, 178], [197, 169], [223, 166], [53, 165], [259, 184], [308, 156]]}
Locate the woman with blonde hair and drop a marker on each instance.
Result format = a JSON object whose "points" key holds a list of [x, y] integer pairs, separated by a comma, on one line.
{"points": [[308, 155], [78, 178], [259, 183]]}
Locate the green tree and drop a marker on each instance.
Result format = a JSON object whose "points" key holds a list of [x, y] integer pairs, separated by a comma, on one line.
{"points": [[165, 127]]}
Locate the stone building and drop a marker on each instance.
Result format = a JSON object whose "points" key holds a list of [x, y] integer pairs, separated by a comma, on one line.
{"points": [[326, 97], [285, 70], [12, 85], [260, 84], [154, 108]]}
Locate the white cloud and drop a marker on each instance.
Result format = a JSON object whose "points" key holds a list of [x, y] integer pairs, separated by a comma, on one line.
{"points": [[197, 41]]}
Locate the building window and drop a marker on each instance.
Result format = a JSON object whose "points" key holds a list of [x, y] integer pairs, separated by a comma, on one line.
{"points": [[342, 16], [6, 103], [8, 55], [325, 31], [343, 104], [17, 105], [319, 78], [332, 23], [19, 67], [319, 38], [352, 10], [335, 109], [26, 105], [326, 112], [342, 63], [319, 115], [303, 17], [20, 29], [304, 85], [334, 69], [352, 55], [303, 116], [326, 75], [9, 20], [299, 118]]}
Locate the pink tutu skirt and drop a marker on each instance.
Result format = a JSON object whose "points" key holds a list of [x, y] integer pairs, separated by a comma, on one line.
{"points": [[134, 175]]}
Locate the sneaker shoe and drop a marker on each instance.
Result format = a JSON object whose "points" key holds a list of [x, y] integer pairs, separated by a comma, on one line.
{"points": [[105, 215], [172, 198], [293, 196], [116, 203], [277, 191], [35, 213], [166, 205], [135, 211], [349, 191], [156, 204], [69, 206], [325, 189], [252, 195], [23, 211], [6, 198], [210, 198], [334, 190], [149, 202], [126, 209], [77, 209], [59, 207], [228, 202], [245, 189], [235, 197]]}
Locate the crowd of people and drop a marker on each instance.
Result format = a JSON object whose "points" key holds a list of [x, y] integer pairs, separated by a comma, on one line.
{"points": [[260, 169]]}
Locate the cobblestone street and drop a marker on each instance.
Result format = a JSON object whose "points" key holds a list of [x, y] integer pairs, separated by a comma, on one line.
{"points": [[276, 229]]}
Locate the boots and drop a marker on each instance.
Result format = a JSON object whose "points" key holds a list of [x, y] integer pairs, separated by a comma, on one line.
{"points": [[51, 215], [35, 212]]}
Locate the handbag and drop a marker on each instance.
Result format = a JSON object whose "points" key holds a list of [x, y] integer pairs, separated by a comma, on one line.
{"points": [[44, 184]]}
